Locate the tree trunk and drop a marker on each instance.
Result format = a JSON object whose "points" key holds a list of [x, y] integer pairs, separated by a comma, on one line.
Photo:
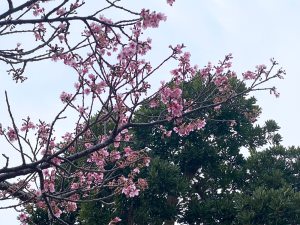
{"points": [[130, 220], [172, 201]]}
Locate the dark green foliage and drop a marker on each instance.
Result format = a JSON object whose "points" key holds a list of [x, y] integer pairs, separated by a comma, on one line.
{"points": [[207, 165]]}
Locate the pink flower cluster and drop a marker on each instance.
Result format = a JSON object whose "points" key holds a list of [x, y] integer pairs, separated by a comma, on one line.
{"points": [[167, 94], [12, 136], [130, 191], [186, 129], [170, 2], [27, 125], [65, 98], [36, 9], [175, 108], [206, 71], [152, 19], [220, 80], [61, 11], [114, 221], [249, 75], [165, 132]]}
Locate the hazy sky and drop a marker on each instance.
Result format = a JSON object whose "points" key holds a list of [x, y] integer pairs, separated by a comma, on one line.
{"points": [[254, 31]]}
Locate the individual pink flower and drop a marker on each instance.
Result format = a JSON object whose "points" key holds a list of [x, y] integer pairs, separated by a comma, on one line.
{"points": [[136, 170], [40, 204], [169, 133], [22, 216], [12, 136], [87, 91], [74, 186], [153, 104], [38, 193], [46, 172], [64, 97], [117, 219], [60, 11], [51, 188], [118, 138], [127, 137], [147, 161], [37, 36], [57, 160], [58, 213], [170, 2], [62, 26]]}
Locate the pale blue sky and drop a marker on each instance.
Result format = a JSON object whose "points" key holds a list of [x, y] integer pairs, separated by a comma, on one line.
{"points": [[254, 31]]}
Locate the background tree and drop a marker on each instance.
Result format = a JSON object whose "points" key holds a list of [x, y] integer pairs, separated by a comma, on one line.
{"points": [[207, 163]]}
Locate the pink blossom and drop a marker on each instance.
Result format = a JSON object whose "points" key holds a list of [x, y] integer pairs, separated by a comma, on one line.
{"points": [[176, 93], [36, 13], [153, 104], [136, 170], [74, 186], [51, 188], [58, 213], [46, 172], [128, 151], [130, 191], [117, 219], [73, 206], [249, 75], [127, 137], [170, 2], [28, 126], [62, 26], [201, 124], [41, 27], [117, 139], [87, 91], [43, 152], [169, 133], [38, 193], [102, 51], [124, 131], [88, 145], [57, 160], [37, 36], [64, 97], [147, 161], [103, 152], [61, 38], [40, 204], [220, 80], [114, 221], [22, 216], [114, 155], [151, 19], [260, 67], [60, 11], [12, 136]]}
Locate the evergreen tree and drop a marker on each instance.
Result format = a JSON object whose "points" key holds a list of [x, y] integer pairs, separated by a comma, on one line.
{"points": [[191, 177]]}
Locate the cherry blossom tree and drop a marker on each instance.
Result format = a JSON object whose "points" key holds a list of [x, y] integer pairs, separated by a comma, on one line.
{"points": [[57, 173]]}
